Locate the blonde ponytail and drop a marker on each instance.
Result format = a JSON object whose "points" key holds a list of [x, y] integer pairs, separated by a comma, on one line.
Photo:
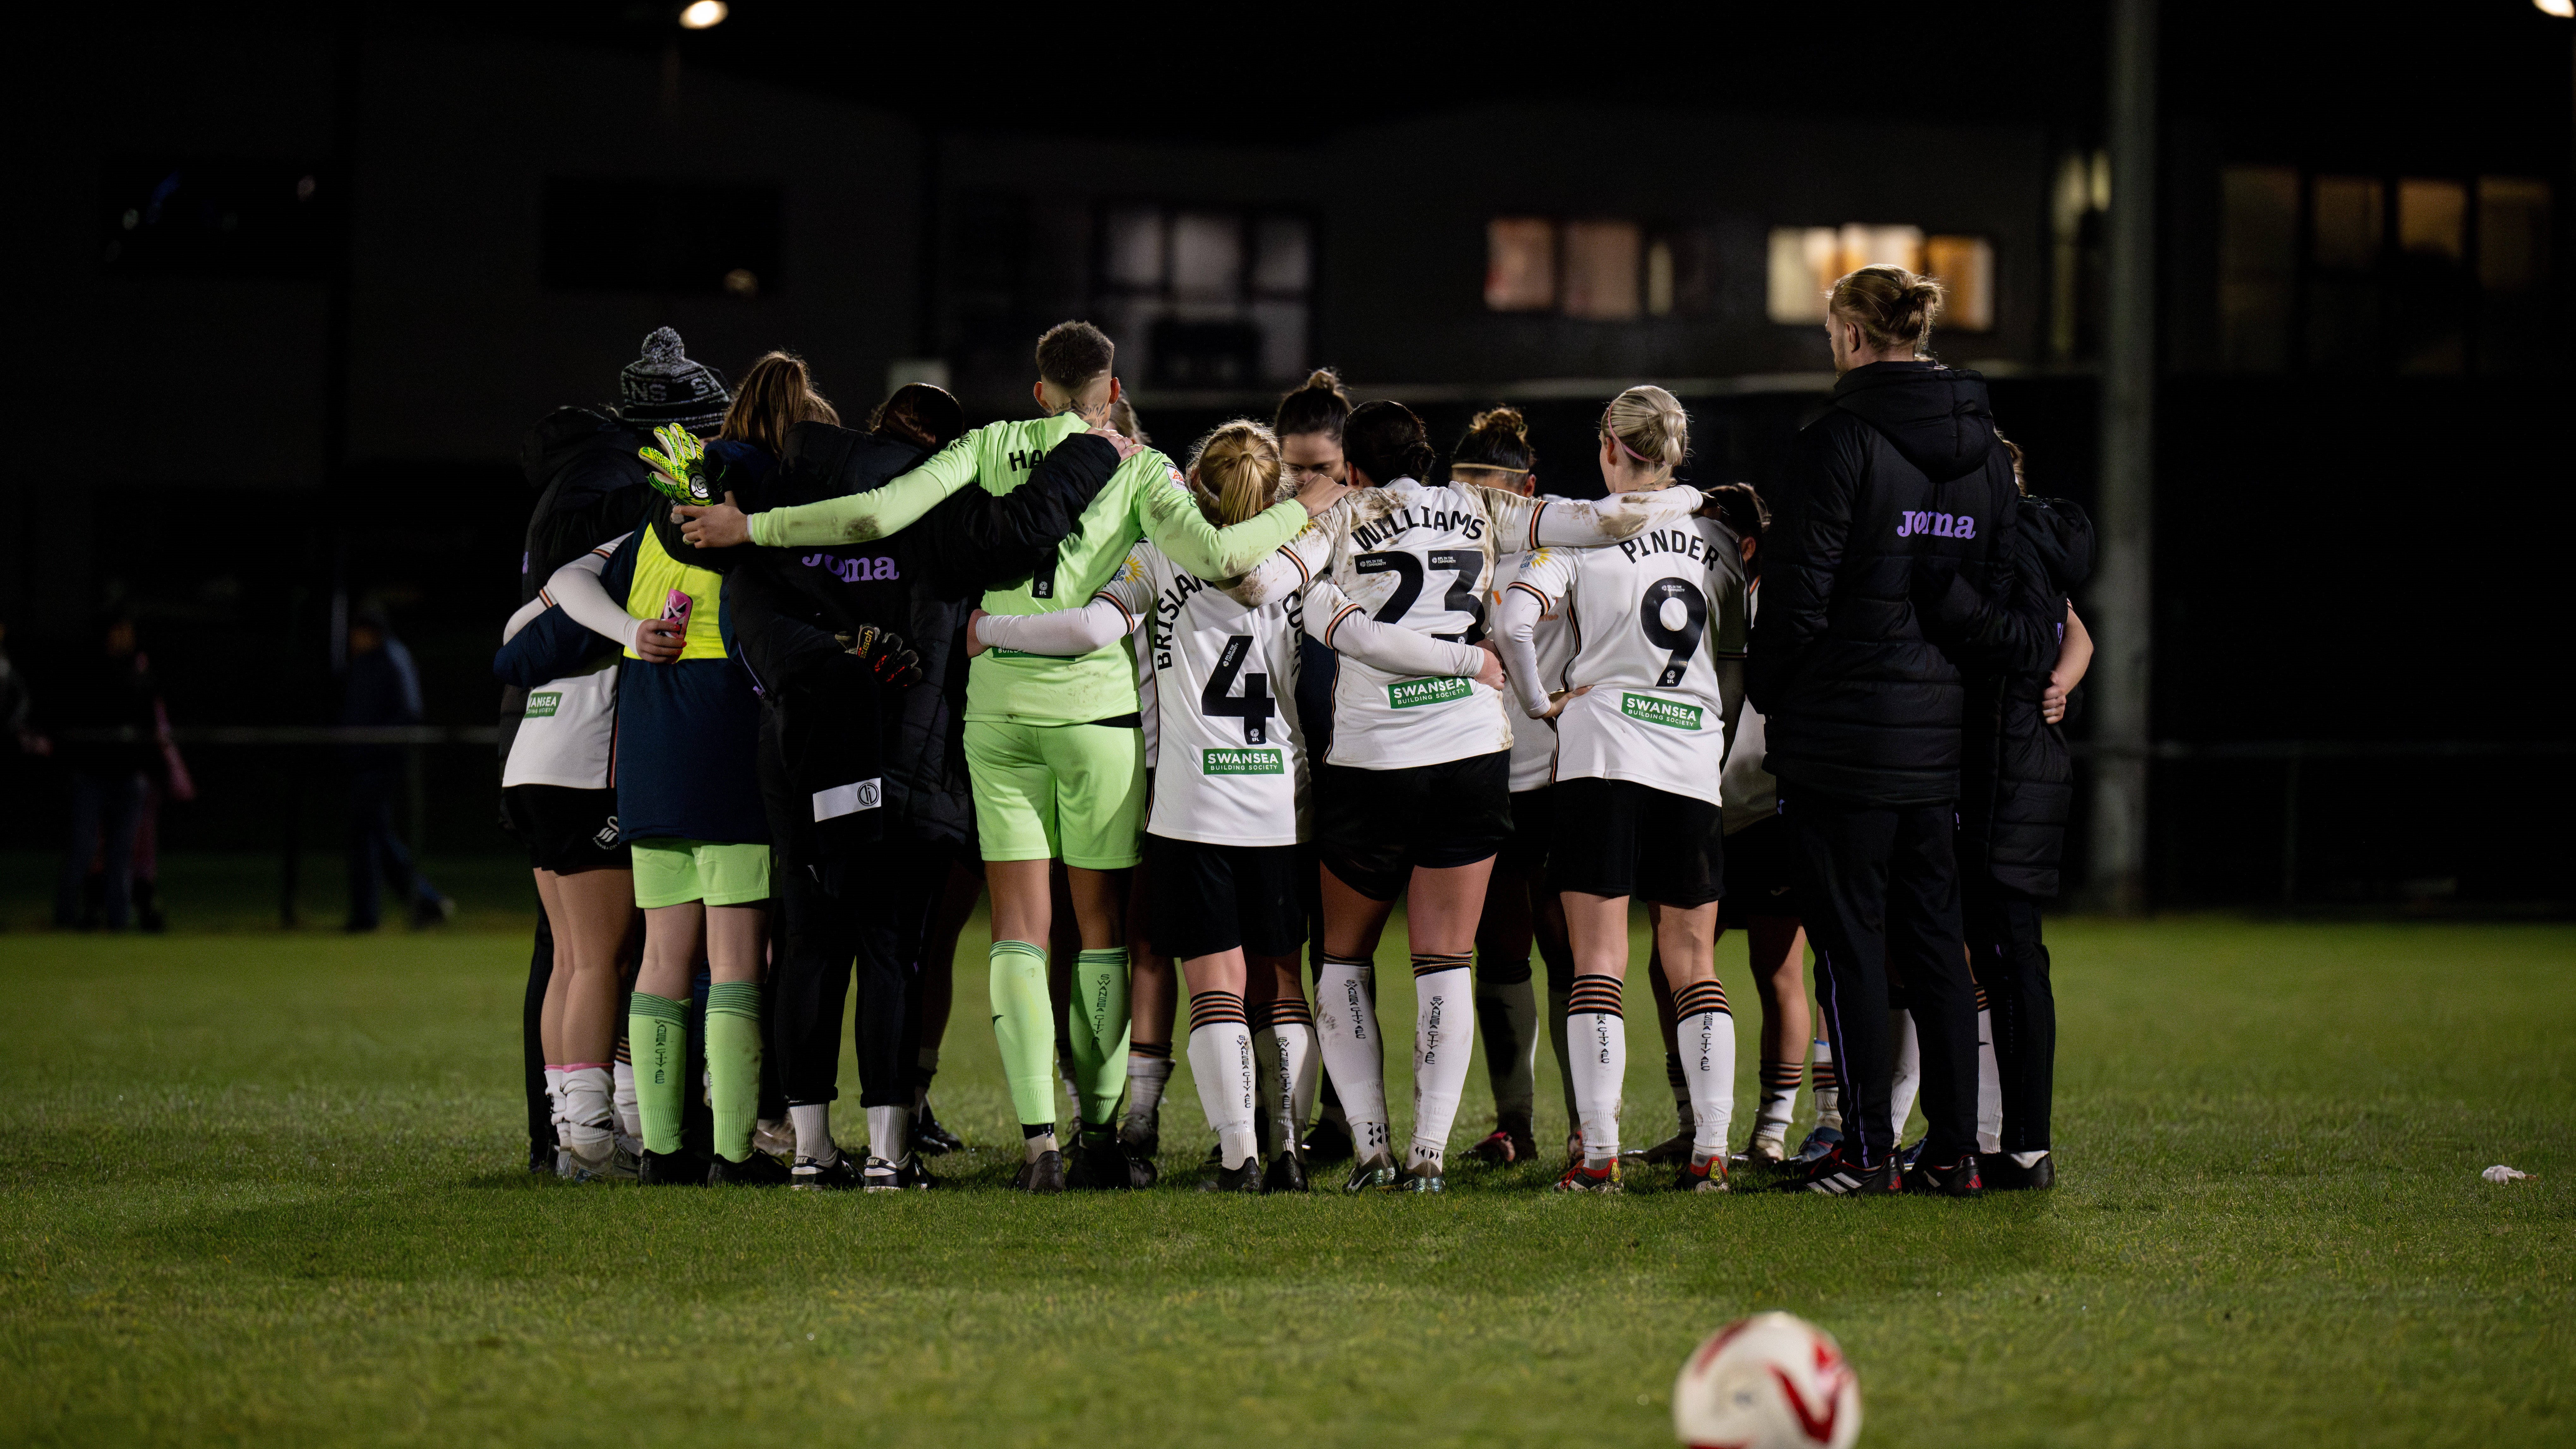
{"points": [[1649, 426], [1234, 472]]}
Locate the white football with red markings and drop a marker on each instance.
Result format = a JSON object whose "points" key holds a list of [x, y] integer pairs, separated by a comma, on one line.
{"points": [[1771, 1381]]}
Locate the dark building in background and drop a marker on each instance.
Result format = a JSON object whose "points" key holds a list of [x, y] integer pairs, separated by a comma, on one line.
{"points": [[325, 280]]}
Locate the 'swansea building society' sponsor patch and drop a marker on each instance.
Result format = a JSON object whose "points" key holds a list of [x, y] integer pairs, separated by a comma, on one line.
{"points": [[1408, 693], [1669, 713], [543, 703], [1244, 762]]}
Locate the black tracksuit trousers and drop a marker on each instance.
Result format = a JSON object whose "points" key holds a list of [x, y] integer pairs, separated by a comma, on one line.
{"points": [[876, 925], [2012, 964], [1883, 895]]}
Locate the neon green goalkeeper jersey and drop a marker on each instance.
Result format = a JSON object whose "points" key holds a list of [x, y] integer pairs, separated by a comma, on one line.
{"points": [[1145, 498]]}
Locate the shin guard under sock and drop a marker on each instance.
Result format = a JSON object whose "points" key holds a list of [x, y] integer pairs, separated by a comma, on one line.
{"points": [[1098, 1026], [1221, 1064], [1828, 1084], [1706, 1031], [588, 1122], [1596, 1037], [733, 1065], [659, 1028], [1507, 1013], [1283, 1051], [1024, 1029], [1346, 1030], [1444, 1034]]}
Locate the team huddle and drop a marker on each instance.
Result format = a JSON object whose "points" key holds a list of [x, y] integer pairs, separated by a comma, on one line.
{"points": [[796, 693]]}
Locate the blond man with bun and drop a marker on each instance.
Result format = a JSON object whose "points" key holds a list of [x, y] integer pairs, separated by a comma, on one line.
{"points": [[1229, 807], [1889, 540]]}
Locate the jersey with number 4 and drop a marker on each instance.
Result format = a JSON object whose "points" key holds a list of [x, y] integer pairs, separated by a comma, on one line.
{"points": [[1660, 629], [1230, 753]]}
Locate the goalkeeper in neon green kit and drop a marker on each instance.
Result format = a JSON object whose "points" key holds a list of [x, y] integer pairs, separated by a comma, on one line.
{"points": [[1054, 745]]}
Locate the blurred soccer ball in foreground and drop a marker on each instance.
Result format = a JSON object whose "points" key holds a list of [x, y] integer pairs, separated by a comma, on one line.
{"points": [[1771, 1381]]}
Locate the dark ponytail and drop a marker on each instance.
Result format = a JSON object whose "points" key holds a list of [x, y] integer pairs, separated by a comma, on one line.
{"points": [[1386, 441], [1317, 406]]}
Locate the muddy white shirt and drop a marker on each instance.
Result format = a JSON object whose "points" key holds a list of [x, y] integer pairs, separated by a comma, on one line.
{"points": [[1422, 559], [568, 735], [1660, 624]]}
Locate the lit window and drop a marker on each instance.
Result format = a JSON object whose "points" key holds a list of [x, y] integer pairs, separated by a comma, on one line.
{"points": [[2351, 219], [1207, 257], [2433, 218], [1966, 265], [1206, 297], [2513, 232], [1659, 277], [1520, 264], [1806, 261], [1601, 270], [1132, 250], [2258, 263]]}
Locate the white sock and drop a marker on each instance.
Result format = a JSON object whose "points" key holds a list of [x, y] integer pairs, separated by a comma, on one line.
{"points": [[630, 1117], [554, 1099], [1507, 1013], [1596, 1038], [1779, 1099], [1346, 1030], [1828, 1084], [1283, 1052], [889, 1133], [1444, 1036], [587, 1122], [1147, 1075], [1221, 1063], [1675, 1078], [2029, 1159], [813, 1123], [1706, 1031], [1990, 1087], [1908, 1082]]}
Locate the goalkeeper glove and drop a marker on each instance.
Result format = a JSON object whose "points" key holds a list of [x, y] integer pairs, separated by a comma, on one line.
{"points": [[681, 468], [885, 655]]}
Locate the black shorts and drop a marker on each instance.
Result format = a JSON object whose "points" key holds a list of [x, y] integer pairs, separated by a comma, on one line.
{"points": [[1620, 838], [566, 831], [1533, 818], [1203, 899], [1761, 874], [1372, 827]]}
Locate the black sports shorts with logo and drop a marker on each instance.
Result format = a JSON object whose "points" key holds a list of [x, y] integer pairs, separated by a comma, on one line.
{"points": [[1620, 838], [1203, 898], [567, 831], [1761, 874], [1372, 827]]}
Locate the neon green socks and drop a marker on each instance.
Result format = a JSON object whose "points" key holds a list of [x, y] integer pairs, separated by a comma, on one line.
{"points": [[1024, 1027], [1098, 1024], [658, 1030], [733, 1065]]}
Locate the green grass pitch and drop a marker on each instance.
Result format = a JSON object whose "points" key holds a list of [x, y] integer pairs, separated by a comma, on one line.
{"points": [[265, 1189]]}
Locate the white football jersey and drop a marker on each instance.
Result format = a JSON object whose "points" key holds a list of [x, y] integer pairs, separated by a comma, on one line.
{"points": [[1534, 740], [1659, 626], [568, 734], [1230, 754]]}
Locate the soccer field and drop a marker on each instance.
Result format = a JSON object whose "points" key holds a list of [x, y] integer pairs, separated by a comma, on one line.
{"points": [[267, 1189]]}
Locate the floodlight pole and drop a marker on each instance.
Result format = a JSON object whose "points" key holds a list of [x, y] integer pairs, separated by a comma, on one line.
{"points": [[2121, 601]]}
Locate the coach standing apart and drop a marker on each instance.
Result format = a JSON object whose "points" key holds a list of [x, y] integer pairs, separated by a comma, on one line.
{"points": [[1884, 548]]}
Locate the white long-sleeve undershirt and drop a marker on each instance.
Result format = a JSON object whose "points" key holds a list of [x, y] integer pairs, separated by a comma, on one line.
{"points": [[1330, 618], [577, 588], [1515, 620]]}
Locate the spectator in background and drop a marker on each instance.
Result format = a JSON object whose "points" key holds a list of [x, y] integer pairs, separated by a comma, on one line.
{"points": [[109, 745], [383, 689]]}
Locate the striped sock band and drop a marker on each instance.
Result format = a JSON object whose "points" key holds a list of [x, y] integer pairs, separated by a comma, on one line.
{"points": [[1216, 1008], [1697, 997], [1162, 1049], [1825, 1078], [734, 998], [1981, 996], [1594, 993], [656, 1008], [1290, 1011], [1781, 1076], [1426, 965]]}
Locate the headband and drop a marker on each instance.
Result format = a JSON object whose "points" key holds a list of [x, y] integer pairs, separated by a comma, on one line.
{"points": [[1612, 434]]}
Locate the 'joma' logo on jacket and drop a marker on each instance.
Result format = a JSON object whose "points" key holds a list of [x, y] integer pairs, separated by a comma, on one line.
{"points": [[1938, 525], [852, 570]]}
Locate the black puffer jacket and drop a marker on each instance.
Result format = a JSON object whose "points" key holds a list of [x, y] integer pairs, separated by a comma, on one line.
{"points": [[1883, 572], [2017, 785], [591, 486], [785, 605]]}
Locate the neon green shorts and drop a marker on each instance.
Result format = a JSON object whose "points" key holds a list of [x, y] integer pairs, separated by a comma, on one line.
{"points": [[1043, 791], [676, 872]]}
